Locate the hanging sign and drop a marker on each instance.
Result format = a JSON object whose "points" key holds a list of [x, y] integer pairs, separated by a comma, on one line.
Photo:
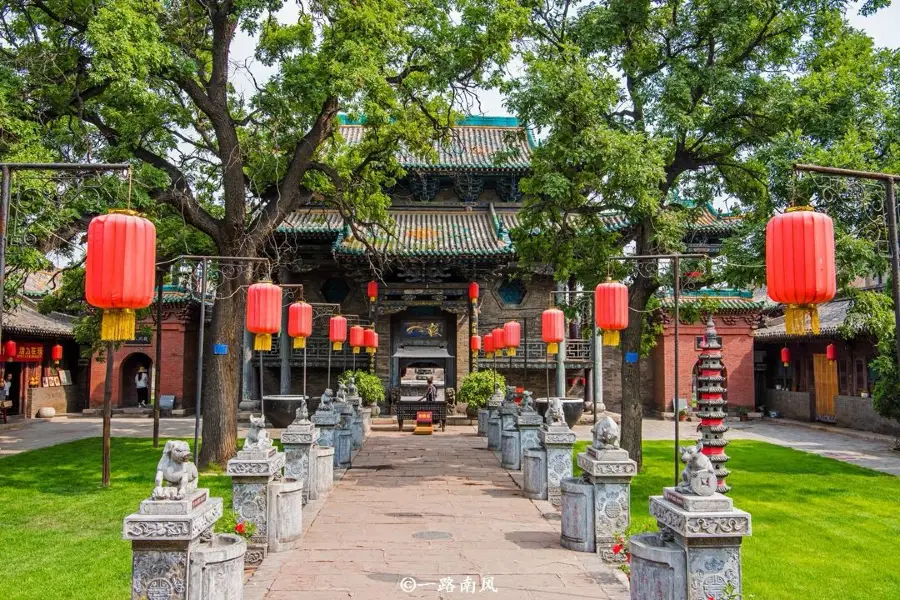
{"points": [[220, 349], [631, 357], [26, 352]]}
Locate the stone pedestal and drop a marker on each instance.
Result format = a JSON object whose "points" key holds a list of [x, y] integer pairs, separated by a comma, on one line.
{"points": [[483, 415], [326, 421], [609, 471], [558, 440], [343, 435], [510, 457], [508, 413], [493, 436], [164, 535], [366, 414], [324, 472], [528, 424], [285, 515], [356, 422], [577, 506], [217, 569], [251, 473], [700, 536], [300, 446], [534, 473]]}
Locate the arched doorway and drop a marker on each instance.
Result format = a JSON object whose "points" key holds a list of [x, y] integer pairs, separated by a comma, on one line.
{"points": [[130, 366]]}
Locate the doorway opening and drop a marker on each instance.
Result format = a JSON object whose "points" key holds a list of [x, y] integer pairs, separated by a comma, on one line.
{"points": [[131, 366]]}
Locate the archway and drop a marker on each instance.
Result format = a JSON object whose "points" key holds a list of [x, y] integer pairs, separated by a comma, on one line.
{"points": [[130, 365]]}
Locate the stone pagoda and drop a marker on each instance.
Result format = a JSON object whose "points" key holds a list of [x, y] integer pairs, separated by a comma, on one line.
{"points": [[711, 404]]}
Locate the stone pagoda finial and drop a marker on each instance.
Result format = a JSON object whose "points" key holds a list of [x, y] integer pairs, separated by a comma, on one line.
{"points": [[711, 403]]}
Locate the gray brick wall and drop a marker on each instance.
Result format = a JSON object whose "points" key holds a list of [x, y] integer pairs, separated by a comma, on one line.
{"points": [[854, 412]]}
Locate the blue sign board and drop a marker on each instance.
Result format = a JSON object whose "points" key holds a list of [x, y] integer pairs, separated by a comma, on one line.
{"points": [[631, 357], [220, 349]]}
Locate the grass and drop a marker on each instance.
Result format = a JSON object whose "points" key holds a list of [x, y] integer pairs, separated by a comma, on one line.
{"points": [[62, 533], [822, 529]]}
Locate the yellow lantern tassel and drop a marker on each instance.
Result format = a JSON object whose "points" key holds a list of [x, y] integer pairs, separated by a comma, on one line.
{"points": [[337, 346], [813, 318], [263, 342], [489, 355], [299, 343], [553, 348], [611, 337], [117, 325], [511, 352], [356, 350]]}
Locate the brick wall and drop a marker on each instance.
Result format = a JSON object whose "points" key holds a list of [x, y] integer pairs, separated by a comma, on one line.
{"points": [[791, 405], [62, 398], [858, 413]]}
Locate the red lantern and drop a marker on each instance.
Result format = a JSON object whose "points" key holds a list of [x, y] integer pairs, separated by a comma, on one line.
{"points": [[800, 269], [488, 345], [512, 332], [9, 349], [119, 271], [611, 310], [337, 332], [473, 292], [56, 353], [375, 343], [372, 291], [475, 343], [370, 340], [831, 352], [785, 356], [357, 334], [300, 323], [553, 325], [499, 340], [263, 313]]}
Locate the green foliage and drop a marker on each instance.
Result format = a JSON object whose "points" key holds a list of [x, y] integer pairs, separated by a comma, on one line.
{"points": [[478, 387], [371, 390], [231, 522]]}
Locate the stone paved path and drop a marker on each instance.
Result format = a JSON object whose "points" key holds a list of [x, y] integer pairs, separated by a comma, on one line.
{"points": [[431, 508]]}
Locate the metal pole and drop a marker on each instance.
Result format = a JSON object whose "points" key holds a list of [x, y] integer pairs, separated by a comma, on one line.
{"points": [[330, 347], [107, 413], [561, 361], [304, 371], [157, 372], [598, 377], [284, 351], [596, 352], [473, 357], [676, 267], [262, 402], [4, 215], [198, 402], [525, 358], [891, 208]]}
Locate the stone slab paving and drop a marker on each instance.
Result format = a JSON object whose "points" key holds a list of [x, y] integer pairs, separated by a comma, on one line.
{"points": [[431, 508]]}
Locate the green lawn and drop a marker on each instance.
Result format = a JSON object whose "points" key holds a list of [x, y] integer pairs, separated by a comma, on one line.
{"points": [[822, 529], [62, 533]]}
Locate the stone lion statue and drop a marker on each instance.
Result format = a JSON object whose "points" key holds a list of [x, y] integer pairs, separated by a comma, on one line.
{"points": [[302, 413], [606, 434], [342, 393], [527, 402], [257, 436], [698, 476], [554, 414], [176, 475]]}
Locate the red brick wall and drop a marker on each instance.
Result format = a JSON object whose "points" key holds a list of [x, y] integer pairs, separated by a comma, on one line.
{"points": [[737, 350]]}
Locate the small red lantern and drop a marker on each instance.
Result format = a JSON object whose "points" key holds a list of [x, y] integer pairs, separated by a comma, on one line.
{"points": [[300, 323], [512, 332], [800, 270], [372, 291], [611, 310], [831, 352], [370, 340], [553, 324], [375, 343], [337, 332], [56, 353], [357, 335], [489, 345], [263, 313], [473, 292], [9, 349], [475, 343], [499, 340], [785, 356], [119, 271]]}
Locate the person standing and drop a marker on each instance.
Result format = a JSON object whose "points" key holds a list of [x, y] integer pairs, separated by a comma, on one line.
{"points": [[430, 391], [4, 395], [141, 383]]}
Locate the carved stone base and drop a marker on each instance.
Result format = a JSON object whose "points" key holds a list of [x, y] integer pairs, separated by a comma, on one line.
{"points": [[343, 443], [528, 425], [285, 515], [256, 554], [324, 471], [534, 474], [610, 472], [217, 569], [558, 441], [510, 457], [483, 415], [493, 436], [577, 506], [299, 441], [357, 430]]}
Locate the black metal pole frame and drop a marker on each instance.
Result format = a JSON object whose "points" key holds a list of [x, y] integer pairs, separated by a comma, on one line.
{"points": [[157, 372], [596, 357]]}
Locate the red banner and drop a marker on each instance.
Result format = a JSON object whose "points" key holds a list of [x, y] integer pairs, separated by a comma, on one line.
{"points": [[26, 352]]}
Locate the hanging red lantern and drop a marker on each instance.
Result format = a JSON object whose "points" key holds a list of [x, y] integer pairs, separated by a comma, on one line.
{"points": [[800, 269], [499, 340], [372, 291], [357, 335], [300, 323], [831, 352], [611, 310], [375, 343], [119, 270], [512, 333], [473, 292], [488, 345], [370, 340], [56, 353], [337, 332], [553, 325], [263, 313], [475, 343], [9, 349], [785, 356]]}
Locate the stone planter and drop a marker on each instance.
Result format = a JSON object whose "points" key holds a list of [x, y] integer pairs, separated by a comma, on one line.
{"points": [[577, 507], [281, 410], [573, 408], [217, 569]]}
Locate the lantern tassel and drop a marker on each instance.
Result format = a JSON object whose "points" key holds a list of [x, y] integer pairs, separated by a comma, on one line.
{"points": [[355, 349], [611, 337], [553, 348], [299, 343], [263, 341], [795, 319], [117, 325], [813, 319], [511, 352], [337, 346]]}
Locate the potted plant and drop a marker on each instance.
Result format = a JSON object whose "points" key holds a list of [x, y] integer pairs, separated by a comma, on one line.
{"points": [[477, 388], [743, 413], [683, 414], [231, 522], [371, 391]]}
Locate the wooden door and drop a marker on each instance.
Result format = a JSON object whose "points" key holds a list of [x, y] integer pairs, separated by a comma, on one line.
{"points": [[826, 379]]}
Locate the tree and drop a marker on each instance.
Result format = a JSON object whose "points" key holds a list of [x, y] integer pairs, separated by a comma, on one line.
{"points": [[155, 83], [647, 103]]}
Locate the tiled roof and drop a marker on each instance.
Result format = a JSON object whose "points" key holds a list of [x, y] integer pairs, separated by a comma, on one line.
{"points": [[466, 233], [40, 283], [729, 301], [831, 316], [25, 319], [708, 221], [477, 143], [613, 222], [313, 221]]}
